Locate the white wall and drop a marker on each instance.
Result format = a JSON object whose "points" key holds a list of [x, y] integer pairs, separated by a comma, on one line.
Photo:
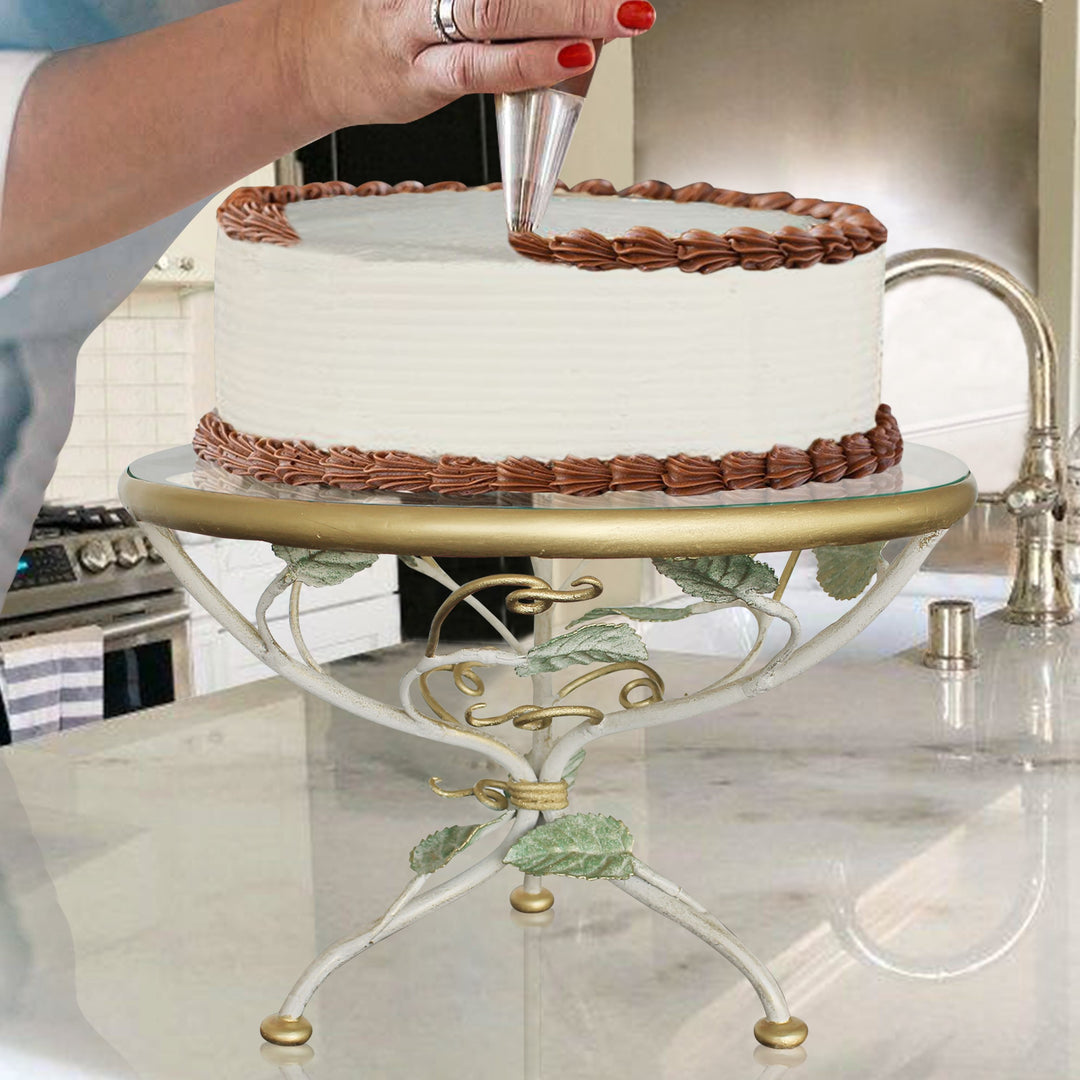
{"points": [[928, 113], [603, 145]]}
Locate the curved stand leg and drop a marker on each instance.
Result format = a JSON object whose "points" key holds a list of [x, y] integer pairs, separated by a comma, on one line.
{"points": [[289, 1026], [778, 1029], [551, 762]]}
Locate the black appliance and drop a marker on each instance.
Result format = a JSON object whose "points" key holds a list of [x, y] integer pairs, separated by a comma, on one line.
{"points": [[459, 142]]}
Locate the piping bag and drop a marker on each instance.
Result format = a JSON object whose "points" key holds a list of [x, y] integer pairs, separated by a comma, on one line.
{"points": [[535, 128]]}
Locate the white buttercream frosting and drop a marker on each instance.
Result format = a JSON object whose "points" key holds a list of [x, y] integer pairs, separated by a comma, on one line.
{"points": [[406, 322]]}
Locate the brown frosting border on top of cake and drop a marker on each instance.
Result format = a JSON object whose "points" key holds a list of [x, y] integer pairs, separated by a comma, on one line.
{"points": [[351, 469], [846, 230]]}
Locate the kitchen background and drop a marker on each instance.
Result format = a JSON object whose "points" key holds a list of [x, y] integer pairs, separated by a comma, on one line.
{"points": [[752, 95], [136, 388]]}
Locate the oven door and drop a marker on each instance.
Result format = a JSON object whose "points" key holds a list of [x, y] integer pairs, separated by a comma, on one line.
{"points": [[147, 648]]}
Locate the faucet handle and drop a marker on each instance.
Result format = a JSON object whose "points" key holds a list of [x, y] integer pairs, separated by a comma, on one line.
{"points": [[1032, 495]]}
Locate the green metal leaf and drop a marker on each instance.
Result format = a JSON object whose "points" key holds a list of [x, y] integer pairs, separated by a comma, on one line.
{"points": [[411, 561], [604, 644], [572, 766], [579, 845], [641, 614], [844, 572], [321, 568], [436, 850], [719, 578]]}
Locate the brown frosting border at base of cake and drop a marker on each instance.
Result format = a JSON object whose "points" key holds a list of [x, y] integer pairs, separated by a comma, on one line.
{"points": [[846, 230], [300, 462]]}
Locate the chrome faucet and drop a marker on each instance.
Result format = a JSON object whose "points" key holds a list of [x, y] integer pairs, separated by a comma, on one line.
{"points": [[1041, 593]]}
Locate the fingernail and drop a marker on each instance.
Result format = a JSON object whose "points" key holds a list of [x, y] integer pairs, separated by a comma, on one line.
{"points": [[575, 56], [637, 15]]}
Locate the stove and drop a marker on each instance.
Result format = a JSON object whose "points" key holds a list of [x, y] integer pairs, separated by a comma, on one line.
{"points": [[80, 555], [93, 566]]}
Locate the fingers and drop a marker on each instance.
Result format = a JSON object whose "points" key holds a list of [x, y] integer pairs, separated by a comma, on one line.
{"points": [[502, 69], [518, 20]]}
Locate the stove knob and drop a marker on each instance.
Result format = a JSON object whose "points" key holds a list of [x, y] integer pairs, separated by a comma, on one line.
{"points": [[152, 552], [130, 551], [96, 555]]}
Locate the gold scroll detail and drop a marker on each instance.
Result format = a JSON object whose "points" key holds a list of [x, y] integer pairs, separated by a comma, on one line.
{"points": [[465, 680], [650, 681], [532, 596], [531, 717], [524, 717], [500, 794], [785, 577]]}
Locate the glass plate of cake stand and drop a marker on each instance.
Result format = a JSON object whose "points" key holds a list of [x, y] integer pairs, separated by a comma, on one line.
{"points": [[707, 544]]}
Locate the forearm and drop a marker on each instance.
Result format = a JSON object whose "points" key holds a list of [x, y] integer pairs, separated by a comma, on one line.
{"points": [[112, 137]]}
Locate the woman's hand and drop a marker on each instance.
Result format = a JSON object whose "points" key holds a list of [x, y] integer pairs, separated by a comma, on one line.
{"points": [[381, 61], [112, 137]]}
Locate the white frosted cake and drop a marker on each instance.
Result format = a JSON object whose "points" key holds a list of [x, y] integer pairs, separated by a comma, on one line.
{"points": [[398, 342]]}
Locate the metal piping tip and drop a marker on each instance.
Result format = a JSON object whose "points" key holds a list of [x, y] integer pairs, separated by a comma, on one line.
{"points": [[535, 129]]}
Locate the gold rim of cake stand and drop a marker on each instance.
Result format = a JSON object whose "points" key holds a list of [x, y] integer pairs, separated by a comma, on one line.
{"points": [[611, 534]]}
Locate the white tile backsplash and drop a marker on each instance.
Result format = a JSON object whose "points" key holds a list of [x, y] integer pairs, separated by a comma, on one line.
{"points": [[91, 460], [91, 368], [127, 335], [130, 369], [134, 389], [171, 399], [130, 429], [86, 430], [89, 399], [125, 402], [173, 368], [173, 430], [172, 335]]}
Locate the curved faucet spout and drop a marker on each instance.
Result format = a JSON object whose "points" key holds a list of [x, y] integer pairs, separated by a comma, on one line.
{"points": [[1041, 592]]}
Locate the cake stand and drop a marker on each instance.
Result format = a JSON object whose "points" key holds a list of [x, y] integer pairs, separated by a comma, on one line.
{"points": [[707, 544]]}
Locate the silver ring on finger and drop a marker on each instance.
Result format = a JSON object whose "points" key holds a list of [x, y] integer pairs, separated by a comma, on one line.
{"points": [[442, 16]]}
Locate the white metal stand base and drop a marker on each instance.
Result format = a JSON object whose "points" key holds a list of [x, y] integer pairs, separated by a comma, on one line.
{"points": [[546, 764]]}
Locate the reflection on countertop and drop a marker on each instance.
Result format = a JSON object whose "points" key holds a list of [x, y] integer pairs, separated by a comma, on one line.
{"points": [[894, 843], [983, 541]]}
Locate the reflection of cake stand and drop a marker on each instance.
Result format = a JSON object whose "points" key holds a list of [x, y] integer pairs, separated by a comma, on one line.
{"points": [[171, 490]]}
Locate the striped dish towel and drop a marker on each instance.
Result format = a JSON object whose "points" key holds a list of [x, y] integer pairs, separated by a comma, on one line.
{"points": [[52, 681]]}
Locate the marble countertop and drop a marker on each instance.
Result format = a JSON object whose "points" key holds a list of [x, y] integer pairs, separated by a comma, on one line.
{"points": [[899, 846]]}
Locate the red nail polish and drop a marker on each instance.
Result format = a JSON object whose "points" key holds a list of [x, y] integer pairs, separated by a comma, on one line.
{"points": [[637, 15], [575, 56]]}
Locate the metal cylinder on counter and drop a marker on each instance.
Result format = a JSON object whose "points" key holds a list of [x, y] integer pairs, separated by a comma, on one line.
{"points": [[951, 644]]}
